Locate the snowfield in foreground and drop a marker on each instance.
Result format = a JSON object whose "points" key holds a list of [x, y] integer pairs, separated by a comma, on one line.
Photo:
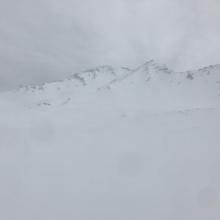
{"points": [[113, 144]]}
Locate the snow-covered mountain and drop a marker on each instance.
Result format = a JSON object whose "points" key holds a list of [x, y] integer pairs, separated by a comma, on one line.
{"points": [[113, 143], [154, 83]]}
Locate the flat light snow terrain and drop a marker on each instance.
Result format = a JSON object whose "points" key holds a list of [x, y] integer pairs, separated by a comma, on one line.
{"points": [[113, 144]]}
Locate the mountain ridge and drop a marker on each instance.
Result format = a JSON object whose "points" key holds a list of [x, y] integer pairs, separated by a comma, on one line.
{"points": [[109, 68], [149, 81]]}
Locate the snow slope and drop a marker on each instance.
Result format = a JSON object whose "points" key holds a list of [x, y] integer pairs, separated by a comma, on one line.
{"points": [[113, 143]]}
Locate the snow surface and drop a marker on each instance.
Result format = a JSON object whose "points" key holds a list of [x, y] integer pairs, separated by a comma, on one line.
{"points": [[113, 144]]}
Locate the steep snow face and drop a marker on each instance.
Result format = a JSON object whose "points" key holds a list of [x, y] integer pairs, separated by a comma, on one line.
{"points": [[113, 143]]}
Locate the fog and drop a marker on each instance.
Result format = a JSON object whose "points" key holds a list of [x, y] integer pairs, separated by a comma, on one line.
{"points": [[109, 143]]}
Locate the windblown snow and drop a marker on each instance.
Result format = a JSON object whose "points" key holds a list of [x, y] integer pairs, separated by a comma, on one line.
{"points": [[113, 144]]}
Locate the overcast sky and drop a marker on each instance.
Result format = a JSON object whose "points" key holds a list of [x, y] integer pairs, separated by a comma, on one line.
{"points": [[44, 40]]}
